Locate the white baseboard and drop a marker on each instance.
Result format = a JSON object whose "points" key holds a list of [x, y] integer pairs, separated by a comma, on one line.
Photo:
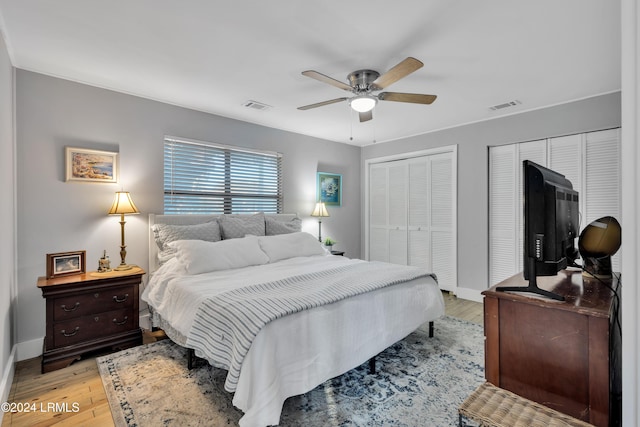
{"points": [[469, 294], [29, 349], [7, 378]]}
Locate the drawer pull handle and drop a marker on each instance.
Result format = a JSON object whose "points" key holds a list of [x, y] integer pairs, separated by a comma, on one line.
{"points": [[120, 323], [75, 307], [64, 332], [116, 299], [96, 295]]}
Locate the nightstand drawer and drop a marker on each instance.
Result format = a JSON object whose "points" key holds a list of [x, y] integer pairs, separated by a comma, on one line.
{"points": [[94, 326], [74, 306]]}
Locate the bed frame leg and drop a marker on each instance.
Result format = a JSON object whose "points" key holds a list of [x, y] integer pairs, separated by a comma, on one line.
{"points": [[191, 355], [372, 361]]}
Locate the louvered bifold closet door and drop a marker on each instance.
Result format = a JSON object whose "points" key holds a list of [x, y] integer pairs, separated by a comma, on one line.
{"points": [[506, 227], [419, 230], [441, 218], [503, 203], [602, 179], [591, 161], [378, 213], [412, 214], [398, 188]]}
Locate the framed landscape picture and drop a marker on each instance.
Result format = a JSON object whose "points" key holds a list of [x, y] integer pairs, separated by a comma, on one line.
{"points": [[91, 165], [329, 188], [65, 263]]}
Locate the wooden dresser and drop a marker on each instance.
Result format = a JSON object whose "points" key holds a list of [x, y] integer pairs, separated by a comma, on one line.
{"points": [[565, 355], [88, 312]]}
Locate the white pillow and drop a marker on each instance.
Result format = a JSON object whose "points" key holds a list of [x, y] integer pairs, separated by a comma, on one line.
{"points": [[199, 256], [167, 233], [290, 245]]}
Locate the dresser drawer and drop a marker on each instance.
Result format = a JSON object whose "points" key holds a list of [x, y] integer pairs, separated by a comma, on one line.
{"points": [[103, 300], [93, 326]]}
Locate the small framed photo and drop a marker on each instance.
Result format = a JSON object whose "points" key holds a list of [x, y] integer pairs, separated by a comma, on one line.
{"points": [[329, 188], [66, 263], [91, 165]]}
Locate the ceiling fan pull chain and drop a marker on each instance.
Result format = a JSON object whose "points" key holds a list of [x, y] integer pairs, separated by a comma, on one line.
{"points": [[351, 111]]}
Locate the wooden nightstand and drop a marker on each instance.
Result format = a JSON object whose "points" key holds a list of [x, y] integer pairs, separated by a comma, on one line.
{"points": [[88, 312]]}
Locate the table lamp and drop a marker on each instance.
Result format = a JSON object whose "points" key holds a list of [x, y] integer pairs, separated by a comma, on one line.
{"points": [[123, 205], [320, 210]]}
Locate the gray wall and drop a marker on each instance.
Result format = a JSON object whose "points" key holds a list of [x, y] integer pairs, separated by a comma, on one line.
{"points": [[7, 219], [473, 140], [56, 216]]}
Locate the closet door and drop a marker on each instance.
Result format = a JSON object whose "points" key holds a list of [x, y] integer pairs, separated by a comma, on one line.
{"points": [[412, 219], [419, 230], [388, 189], [506, 228], [441, 216], [503, 202], [591, 161], [602, 179], [398, 206], [378, 212]]}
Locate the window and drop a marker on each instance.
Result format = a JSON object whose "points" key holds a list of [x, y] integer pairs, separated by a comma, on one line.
{"points": [[206, 178]]}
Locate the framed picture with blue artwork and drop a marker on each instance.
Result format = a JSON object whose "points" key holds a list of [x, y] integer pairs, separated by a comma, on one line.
{"points": [[329, 188]]}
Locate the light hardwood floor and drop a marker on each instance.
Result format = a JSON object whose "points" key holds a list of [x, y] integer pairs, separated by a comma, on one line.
{"points": [[80, 384]]}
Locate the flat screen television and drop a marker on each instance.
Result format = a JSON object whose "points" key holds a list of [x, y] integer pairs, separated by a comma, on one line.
{"points": [[551, 222]]}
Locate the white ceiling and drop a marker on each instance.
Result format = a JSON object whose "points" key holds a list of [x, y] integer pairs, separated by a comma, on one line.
{"points": [[214, 56]]}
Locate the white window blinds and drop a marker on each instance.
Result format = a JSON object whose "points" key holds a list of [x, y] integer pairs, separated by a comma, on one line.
{"points": [[207, 178]]}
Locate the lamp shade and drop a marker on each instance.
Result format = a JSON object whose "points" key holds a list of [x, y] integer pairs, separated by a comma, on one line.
{"points": [[123, 204], [320, 210], [363, 103]]}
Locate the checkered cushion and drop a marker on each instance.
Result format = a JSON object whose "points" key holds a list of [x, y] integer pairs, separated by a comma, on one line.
{"points": [[235, 227], [274, 227]]}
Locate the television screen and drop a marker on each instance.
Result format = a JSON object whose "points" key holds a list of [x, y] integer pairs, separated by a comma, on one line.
{"points": [[551, 221]]}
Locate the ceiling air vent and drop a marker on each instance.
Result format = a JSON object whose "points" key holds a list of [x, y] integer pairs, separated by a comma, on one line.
{"points": [[505, 105], [255, 105]]}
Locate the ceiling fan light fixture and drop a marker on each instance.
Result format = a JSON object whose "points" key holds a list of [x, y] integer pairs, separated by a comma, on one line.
{"points": [[363, 103]]}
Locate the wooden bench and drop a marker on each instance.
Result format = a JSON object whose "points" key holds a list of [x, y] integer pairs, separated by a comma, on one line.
{"points": [[491, 406]]}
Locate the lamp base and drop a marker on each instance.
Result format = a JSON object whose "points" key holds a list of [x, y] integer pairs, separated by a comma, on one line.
{"points": [[123, 267]]}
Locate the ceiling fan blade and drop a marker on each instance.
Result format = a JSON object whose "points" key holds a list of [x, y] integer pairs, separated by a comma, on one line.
{"points": [[320, 104], [326, 79], [403, 69], [415, 98], [366, 116]]}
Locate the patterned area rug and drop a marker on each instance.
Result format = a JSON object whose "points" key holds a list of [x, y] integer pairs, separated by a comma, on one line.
{"points": [[420, 381]]}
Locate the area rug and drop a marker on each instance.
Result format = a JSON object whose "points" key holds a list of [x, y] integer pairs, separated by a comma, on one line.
{"points": [[420, 381]]}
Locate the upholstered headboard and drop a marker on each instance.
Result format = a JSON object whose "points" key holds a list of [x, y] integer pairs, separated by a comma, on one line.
{"points": [[192, 220]]}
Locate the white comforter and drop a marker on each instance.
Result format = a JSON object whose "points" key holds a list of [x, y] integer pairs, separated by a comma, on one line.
{"points": [[294, 354]]}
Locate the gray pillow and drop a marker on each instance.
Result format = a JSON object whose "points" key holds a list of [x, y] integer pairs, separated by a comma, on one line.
{"points": [[234, 226], [167, 233], [274, 227]]}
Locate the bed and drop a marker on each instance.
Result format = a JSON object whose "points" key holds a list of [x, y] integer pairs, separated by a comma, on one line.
{"points": [[195, 276]]}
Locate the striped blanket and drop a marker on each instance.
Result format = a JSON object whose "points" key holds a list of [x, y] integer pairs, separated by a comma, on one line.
{"points": [[226, 324]]}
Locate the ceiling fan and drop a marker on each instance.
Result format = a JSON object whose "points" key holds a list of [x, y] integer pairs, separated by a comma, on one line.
{"points": [[363, 83]]}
